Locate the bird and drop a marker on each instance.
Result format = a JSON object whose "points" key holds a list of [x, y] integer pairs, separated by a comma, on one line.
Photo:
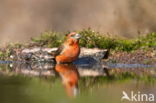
{"points": [[69, 50]]}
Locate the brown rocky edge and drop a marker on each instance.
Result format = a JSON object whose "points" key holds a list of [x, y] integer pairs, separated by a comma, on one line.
{"points": [[147, 57]]}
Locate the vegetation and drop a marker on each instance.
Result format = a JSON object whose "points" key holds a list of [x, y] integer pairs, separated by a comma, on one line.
{"points": [[91, 39], [49, 39], [6, 52]]}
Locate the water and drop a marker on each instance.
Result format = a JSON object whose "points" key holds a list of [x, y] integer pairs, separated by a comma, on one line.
{"points": [[45, 83]]}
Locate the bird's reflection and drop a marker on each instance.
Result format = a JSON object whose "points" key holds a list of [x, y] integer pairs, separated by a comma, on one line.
{"points": [[70, 76]]}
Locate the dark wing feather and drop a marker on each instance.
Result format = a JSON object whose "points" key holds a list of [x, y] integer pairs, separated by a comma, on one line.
{"points": [[59, 50]]}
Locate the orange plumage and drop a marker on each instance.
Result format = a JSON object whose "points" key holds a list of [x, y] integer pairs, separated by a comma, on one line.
{"points": [[70, 50], [70, 76]]}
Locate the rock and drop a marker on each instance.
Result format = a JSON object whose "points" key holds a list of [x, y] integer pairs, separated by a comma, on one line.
{"points": [[44, 54]]}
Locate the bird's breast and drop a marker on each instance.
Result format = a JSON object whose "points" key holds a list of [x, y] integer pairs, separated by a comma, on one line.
{"points": [[72, 51], [69, 54]]}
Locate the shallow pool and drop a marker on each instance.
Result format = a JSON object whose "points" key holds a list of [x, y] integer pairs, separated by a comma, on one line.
{"points": [[68, 84]]}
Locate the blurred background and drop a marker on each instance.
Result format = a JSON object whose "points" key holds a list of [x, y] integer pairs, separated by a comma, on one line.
{"points": [[22, 19]]}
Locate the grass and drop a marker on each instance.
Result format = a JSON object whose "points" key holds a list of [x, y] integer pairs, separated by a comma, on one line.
{"points": [[49, 39], [92, 39]]}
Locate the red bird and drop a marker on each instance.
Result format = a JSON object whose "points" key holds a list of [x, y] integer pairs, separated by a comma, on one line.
{"points": [[70, 50]]}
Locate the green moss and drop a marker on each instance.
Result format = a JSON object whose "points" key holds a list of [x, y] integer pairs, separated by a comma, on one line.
{"points": [[92, 39], [4, 54], [149, 40], [49, 39]]}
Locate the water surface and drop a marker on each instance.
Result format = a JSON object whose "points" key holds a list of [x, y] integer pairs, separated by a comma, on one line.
{"points": [[71, 84]]}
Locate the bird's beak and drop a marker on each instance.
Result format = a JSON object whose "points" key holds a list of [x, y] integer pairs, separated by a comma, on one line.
{"points": [[77, 36]]}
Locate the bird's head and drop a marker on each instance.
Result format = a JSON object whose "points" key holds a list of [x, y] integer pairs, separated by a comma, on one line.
{"points": [[73, 35], [72, 38]]}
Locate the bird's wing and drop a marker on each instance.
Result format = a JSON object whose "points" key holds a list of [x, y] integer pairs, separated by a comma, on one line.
{"points": [[59, 50]]}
